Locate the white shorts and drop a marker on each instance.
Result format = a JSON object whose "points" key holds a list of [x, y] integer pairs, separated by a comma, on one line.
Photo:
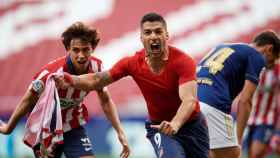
{"points": [[221, 126]]}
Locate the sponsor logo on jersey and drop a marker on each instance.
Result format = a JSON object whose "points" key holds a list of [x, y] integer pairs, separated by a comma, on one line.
{"points": [[38, 86], [66, 103]]}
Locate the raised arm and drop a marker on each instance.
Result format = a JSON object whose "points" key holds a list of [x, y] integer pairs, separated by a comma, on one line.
{"points": [[244, 107], [25, 105], [111, 113]]}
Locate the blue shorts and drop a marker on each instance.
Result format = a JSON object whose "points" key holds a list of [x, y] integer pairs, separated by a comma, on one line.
{"points": [[261, 133], [191, 141], [277, 132], [76, 144]]}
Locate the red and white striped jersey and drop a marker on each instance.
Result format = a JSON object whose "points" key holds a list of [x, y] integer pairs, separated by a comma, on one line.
{"points": [[74, 112], [264, 111]]}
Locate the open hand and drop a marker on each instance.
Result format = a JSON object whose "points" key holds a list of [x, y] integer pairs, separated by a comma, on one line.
{"points": [[64, 81], [125, 151], [166, 127], [4, 128]]}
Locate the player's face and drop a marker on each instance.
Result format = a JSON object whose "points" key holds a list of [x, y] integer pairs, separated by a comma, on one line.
{"points": [[80, 52], [154, 37]]}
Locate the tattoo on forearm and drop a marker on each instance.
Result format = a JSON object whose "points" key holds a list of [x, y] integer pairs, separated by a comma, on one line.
{"points": [[102, 79]]}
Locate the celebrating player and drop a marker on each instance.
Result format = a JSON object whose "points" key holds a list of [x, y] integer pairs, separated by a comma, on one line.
{"points": [[80, 42], [167, 79]]}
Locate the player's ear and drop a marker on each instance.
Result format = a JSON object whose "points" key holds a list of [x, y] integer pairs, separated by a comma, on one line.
{"points": [[141, 37], [269, 47], [167, 35]]}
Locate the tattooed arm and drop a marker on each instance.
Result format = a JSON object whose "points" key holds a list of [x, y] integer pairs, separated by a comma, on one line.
{"points": [[98, 80], [87, 82]]}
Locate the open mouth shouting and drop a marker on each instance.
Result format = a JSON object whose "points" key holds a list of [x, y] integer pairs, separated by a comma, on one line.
{"points": [[155, 47]]}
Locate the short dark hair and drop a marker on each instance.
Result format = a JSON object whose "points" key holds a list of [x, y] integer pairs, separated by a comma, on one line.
{"points": [[268, 37], [152, 17], [81, 31]]}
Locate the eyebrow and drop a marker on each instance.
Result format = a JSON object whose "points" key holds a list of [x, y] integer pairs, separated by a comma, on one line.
{"points": [[158, 28]]}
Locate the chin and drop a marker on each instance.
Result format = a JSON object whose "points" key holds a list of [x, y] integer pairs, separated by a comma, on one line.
{"points": [[156, 56]]}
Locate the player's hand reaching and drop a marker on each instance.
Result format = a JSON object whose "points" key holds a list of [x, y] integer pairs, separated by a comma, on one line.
{"points": [[4, 128], [123, 140], [64, 81], [166, 127]]}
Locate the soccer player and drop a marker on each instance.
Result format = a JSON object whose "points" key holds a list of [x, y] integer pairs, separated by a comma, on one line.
{"points": [[79, 41], [263, 118], [166, 77], [228, 71], [275, 139]]}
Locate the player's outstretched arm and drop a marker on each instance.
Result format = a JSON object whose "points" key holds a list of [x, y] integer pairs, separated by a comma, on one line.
{"points": [[111, 113], [244, 107], [87, 82], [187, 93], [25, 105]]}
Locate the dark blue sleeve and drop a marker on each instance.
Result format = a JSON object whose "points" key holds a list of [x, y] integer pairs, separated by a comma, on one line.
{"points": [[254, 66]]}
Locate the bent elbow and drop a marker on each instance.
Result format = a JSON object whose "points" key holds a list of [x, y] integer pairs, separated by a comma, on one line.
{"points": [[245, 104]]}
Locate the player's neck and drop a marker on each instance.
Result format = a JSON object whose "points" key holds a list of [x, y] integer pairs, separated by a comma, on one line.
{"points": [[256, 47], [157, 64], [270, 65]]}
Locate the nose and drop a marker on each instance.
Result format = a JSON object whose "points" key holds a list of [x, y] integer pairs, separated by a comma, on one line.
{"points": [[81, 54], [153, 35]]}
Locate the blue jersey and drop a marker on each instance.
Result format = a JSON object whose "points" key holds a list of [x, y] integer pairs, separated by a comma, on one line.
{"points": [[221, 74]]}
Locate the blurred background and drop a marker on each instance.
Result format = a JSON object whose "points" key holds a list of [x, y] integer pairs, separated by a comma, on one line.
{"points": [[30, 37]]}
